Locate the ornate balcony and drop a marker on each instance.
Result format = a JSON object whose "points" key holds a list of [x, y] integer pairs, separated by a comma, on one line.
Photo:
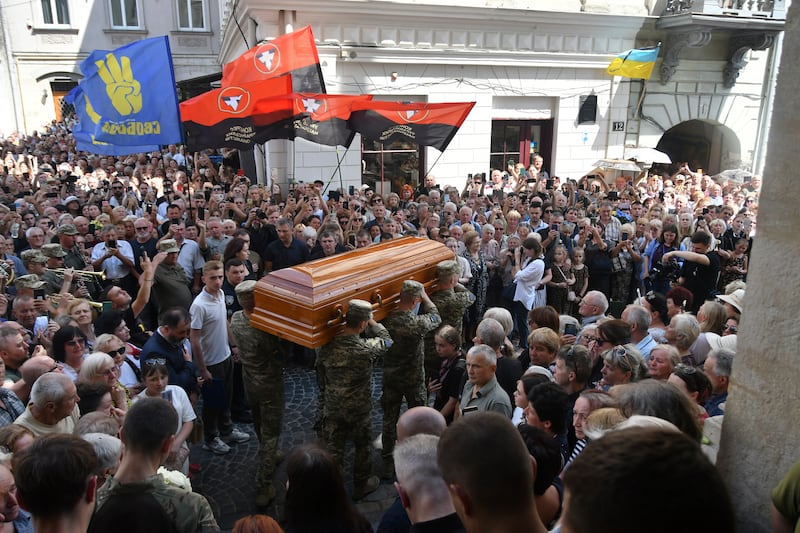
{"points": [[747, 25]]}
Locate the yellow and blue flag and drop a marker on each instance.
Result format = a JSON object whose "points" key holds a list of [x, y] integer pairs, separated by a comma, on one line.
{"points": [[128, 96], [636, 63], [83, 131]]}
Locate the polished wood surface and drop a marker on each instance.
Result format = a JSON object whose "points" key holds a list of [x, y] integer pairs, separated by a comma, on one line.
{"points": [[305, 304]]}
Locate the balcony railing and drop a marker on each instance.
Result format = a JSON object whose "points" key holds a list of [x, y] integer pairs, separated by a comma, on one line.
{"points": [[736, 8]]}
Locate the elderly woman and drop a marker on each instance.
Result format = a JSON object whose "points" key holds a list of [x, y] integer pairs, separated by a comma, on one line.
{"points": [[681, 333], [100, 367], [478, 282], [623, 257], [621, 365], [129, 372], [663, 360], [588, 402]]}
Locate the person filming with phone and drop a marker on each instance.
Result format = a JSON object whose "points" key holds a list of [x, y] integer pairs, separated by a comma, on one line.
{"points": [[115, 257]]}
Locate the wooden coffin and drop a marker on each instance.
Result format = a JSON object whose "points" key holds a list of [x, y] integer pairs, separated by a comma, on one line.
{"points": [[306, 304]]}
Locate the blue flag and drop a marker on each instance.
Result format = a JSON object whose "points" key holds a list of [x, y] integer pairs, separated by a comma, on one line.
{"points": [[131, 94], [83, 131]]}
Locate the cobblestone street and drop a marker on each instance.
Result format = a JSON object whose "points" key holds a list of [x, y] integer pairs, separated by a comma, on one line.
{"points": [[228, 481]]}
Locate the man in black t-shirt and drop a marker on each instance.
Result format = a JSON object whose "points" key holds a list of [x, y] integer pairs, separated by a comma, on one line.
{"points": [[700, 271]]}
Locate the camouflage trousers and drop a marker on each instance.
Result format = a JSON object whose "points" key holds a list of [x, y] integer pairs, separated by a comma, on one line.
{"points": [[267, 403], [395, 388], [337, 429]]}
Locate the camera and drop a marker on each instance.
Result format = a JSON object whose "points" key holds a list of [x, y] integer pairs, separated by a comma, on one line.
{"points": [[669, 271], [260, 213]]}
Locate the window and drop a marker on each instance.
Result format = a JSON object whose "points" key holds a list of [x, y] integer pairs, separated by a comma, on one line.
{"points": [[55, 12], [518, 141], [191, 15], [387, 167], [124, 14]]}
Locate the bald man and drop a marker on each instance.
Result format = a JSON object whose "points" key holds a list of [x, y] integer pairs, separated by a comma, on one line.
{"points": [[419, 420]]}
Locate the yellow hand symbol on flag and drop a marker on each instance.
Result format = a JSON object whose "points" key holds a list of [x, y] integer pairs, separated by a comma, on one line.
{"points": [[124, 91]]}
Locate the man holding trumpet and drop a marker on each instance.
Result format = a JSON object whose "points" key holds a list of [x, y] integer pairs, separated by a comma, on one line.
{"points": [[60, 280]]}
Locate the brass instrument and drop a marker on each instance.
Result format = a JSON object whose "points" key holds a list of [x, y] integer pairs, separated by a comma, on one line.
{"points": [[7, 272], [99, 275], [56, 299]]}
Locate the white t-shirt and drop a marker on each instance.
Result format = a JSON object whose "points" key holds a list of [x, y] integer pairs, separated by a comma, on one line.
{"points": [[179, 400]]}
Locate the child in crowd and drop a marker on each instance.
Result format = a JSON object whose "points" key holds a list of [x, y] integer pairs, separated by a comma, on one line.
{"points": [[581, 275]]}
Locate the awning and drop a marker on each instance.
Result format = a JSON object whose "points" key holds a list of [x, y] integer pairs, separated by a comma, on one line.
{"points": [[647, 155], [617, 164]]}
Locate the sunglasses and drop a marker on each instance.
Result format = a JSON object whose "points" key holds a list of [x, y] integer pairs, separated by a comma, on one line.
{"points": [[732, 329], [120, 351], [156, 361], [76, 342]]}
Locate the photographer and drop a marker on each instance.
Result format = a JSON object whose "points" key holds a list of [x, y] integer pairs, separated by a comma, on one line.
{"points": [[700, 269], [115, 257]]}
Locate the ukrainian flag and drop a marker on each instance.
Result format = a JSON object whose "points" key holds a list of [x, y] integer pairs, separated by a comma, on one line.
{"points": [[636, 63]]}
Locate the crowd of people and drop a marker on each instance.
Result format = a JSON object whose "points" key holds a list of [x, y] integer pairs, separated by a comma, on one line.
{"points": [[577, 319]]}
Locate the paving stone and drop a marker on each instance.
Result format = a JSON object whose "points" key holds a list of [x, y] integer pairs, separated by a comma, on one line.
{"points": [[228, 481]]}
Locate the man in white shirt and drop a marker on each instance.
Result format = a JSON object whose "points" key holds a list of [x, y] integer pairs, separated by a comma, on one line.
{"points": [[212, 342]]}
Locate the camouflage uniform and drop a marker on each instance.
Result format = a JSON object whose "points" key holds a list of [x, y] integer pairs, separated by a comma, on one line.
{"points": [[262, 367], [451, 304], [344, 375], [403, 373], [188, 511]]}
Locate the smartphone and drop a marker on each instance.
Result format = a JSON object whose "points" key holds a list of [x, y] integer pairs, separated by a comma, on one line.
{"points": [[549, 184], [446, 198], [351, 190], [630, 183], [571, 329], [111, 244], [613, 195], [201, 213], [553, 227], [38, 294], [625, 236], [107, 306], [581, 187], [596, 189], [470, 409], [346, 205]]}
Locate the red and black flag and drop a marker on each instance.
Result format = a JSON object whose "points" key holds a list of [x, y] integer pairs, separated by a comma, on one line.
{"points": [[425, 124], [235, 116], [320, 118], [294, 54]]}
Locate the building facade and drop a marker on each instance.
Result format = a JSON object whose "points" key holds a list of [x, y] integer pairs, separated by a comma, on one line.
{"points": [[44, 41], [535, 71]]}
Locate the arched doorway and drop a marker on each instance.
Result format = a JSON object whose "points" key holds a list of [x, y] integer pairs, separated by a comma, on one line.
{"points": [[704, 144]]}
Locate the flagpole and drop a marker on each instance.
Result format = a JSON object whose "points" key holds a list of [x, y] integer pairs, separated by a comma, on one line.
{"points": [[338, 168], [433, 165]]}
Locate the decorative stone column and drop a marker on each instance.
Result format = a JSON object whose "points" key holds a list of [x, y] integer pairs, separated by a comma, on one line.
{"points": [[760, 435]]}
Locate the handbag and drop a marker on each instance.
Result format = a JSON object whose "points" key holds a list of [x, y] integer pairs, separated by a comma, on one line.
{"points": [[618, 264], [571, 296]]}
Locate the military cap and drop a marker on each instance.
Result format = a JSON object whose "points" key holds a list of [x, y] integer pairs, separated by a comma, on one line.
{"points": [[245, 287], [447, 268], [168, 246], [31, 281], [412, 288], [53, 250], [33, 256], [359, 309], [67, 229]]}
